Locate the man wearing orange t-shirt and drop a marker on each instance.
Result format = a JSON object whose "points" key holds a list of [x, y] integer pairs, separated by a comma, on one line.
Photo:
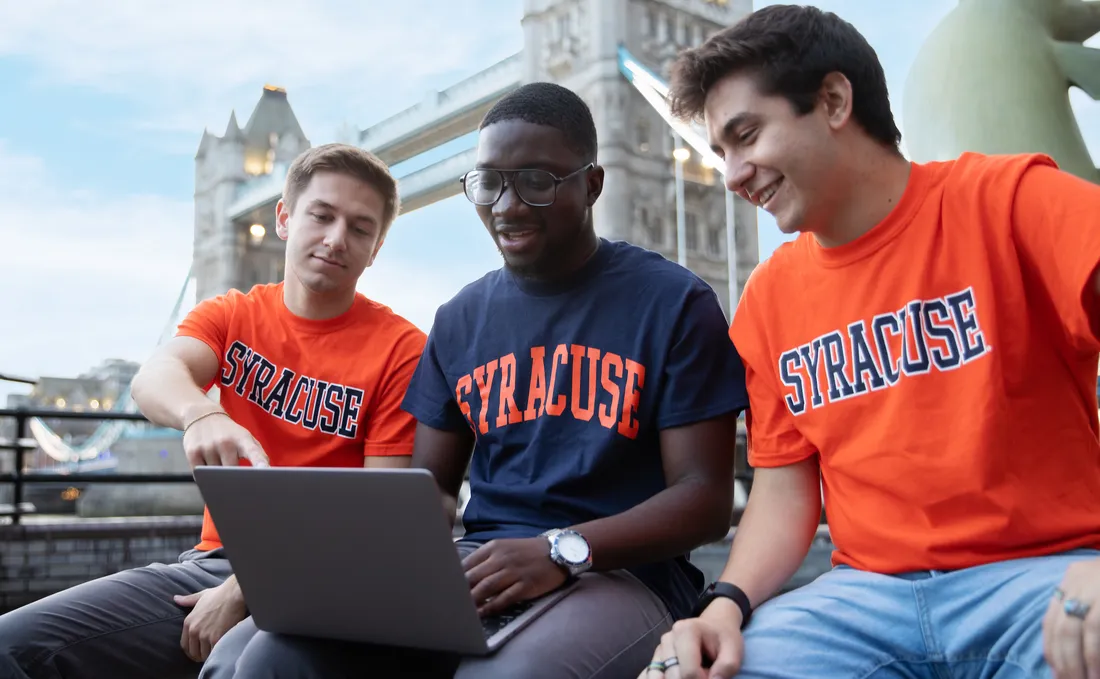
{"points": [[309, 373], [925, 355]]}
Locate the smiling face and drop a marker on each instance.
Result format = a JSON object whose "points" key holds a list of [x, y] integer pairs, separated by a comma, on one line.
{"points": [[547, 241], [778, 160], [332, 234]]}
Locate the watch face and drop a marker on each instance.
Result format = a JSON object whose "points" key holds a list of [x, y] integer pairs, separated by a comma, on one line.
{"points": [[572, 547]]}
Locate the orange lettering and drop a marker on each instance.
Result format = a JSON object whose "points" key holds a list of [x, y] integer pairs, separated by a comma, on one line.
{"points": [[628, 426], [485, 388], [538, 384], [607, 413], [465, 384], [556, 406], [580, 413], [508, 393]]}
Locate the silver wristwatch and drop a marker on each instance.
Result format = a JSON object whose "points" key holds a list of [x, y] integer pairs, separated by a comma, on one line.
{"points": [[570, 550]]}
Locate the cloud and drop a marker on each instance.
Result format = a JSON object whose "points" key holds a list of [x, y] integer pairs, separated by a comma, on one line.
{"points": [[186, 62], [91, 276], [83, 272]]}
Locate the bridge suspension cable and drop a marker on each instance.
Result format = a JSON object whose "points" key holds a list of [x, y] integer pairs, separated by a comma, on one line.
{"points": [[109, 432]]}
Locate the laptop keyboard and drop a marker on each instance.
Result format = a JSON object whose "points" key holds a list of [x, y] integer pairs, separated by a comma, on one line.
{"points": [[494, 623]]}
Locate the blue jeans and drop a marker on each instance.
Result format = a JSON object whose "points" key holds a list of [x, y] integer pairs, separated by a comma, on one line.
{"points": [[981, 622]]}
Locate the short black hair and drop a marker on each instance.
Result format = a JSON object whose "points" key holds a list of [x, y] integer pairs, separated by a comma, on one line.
{"points": [[542, 103], [790, 49]]}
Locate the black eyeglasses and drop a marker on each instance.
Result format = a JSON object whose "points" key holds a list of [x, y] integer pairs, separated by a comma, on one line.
{"points": [[537, 188]]}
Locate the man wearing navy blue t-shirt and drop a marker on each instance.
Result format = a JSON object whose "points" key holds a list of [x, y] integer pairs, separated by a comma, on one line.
{"points": [[593, 391]]}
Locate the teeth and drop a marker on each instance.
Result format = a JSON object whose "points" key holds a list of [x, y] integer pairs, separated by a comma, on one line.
{"points": [[766, 195]]}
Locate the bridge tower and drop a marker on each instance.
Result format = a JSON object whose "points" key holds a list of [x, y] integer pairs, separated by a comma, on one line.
{"points": [[239, 253], [575, 43]]}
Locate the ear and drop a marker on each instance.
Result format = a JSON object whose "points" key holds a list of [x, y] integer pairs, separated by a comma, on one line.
{"points": [[282, 216], [595, 184], [836, 99], [377, 249]]}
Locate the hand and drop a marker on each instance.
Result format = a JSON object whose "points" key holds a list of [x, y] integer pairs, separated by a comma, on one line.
{"points": [[504, 572], [214, 612], [715, 635], [215, 439], [1071, 644]]}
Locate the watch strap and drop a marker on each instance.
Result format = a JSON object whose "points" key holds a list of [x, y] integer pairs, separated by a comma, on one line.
{"points": [[729, 591]]}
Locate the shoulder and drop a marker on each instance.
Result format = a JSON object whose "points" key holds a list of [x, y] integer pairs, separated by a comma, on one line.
{"points": [[225, 306], [986, 177], [383, 323], [469, 298], [643, 270]]}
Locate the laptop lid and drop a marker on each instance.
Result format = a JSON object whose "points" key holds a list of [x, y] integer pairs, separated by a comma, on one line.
{"points": [[344, 553]]}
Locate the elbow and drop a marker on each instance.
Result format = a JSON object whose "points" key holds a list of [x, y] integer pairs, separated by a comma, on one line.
{"points": [[718, 525], [137, 387], [140, 388], [717, 516]]}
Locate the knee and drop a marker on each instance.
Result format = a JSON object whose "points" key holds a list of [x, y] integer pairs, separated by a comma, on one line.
{"points": [[22, 642], [267, 656]]}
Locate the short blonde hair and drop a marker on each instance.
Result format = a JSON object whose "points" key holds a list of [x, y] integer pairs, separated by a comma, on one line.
{"points": [[343, 159]]}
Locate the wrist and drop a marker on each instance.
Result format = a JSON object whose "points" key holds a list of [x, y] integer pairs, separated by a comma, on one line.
{"points": [[194, 413], [723, 611], [725, 593], [232, 589]]}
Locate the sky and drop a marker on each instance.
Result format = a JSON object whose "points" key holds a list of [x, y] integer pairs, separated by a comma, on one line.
{"points": [[102, 105]]}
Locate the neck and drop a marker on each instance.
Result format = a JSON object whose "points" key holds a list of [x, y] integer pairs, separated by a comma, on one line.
{"points": [[874, 186], [313, 306], [587, 246]]}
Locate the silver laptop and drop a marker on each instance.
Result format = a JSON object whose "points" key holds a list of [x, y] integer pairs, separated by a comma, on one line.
{"points": [[361, 555]]}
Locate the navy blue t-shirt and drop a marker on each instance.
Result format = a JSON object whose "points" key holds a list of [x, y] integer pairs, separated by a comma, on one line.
{"points": [[567, 388]]}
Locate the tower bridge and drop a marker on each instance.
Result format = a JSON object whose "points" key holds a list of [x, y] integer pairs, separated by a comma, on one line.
{"points": [[582, 45]]}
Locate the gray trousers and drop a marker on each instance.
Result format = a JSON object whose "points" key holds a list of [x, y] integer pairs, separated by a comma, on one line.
{"points": [[122, 626], [127, 626], [606, 629]]}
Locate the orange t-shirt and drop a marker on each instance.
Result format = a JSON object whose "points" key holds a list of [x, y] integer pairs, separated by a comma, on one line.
{"points": [[313, 393], [943, 366]]}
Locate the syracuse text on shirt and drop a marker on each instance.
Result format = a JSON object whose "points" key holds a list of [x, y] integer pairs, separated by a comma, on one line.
{"points": [[310, 403], [940, 334], [612, 399]]}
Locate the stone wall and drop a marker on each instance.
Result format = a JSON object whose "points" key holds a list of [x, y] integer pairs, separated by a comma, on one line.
{"points": [[38, 559]]}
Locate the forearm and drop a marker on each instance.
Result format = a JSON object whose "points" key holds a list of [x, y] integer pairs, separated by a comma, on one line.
{"points": [[772, 539], [166, 393], [673, 522]]}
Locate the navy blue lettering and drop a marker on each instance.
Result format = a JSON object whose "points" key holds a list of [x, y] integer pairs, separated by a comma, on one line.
{"points": [[835, 360], [913, 335], [864, 367], [922, 337], [789, 362], [937, 326], [964, 312], [811, 356]]}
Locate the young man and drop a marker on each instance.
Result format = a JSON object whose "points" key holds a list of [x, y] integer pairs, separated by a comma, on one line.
{"points": [[309, 372], [928, 344], [595, 388]]}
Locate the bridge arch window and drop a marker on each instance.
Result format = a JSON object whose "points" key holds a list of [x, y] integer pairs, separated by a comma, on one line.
{"points": [[714, 241], [691, 231], [641, 135]]}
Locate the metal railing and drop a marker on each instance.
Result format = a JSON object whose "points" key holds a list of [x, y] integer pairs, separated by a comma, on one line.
{"points": [[21, 444]]}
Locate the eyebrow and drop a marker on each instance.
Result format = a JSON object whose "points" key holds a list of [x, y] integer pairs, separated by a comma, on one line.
{"points": [[317, 202], [734, 123]]}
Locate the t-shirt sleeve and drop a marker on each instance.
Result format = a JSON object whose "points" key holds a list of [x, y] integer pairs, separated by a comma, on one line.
{"points": [[1056, 228], [773, 436], [703, 376], [430, 398], [391, 430], [208, 322]]}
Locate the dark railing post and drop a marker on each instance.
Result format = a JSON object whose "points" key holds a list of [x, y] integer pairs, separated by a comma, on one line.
{"points": [[17, 489]]}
